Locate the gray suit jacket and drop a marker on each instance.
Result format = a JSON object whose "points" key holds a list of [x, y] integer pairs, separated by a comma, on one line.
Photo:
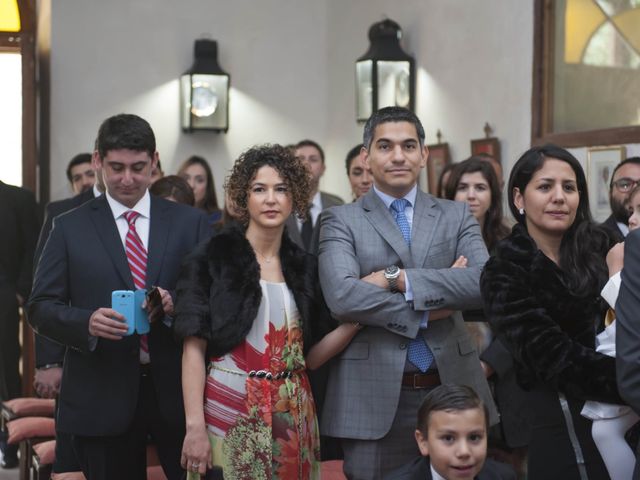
{"points": [[363, 237], [328, 200]]}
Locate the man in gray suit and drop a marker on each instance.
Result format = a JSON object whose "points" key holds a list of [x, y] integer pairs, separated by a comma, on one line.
{"points": [[304, 233], [628, 328], [385, 262]]}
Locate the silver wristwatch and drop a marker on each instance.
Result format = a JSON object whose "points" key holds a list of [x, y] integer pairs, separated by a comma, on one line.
{"points": [[391, 274]]}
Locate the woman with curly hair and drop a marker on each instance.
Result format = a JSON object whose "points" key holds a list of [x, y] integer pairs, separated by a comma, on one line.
{"points": [[249, 303], [541, 292]]}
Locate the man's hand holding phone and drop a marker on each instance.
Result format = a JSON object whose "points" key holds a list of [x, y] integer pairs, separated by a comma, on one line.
{"points": [[158, 303], [107, 323]]}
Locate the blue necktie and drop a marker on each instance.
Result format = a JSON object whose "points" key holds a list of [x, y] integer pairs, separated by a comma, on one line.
{"points": [[419, 353]]}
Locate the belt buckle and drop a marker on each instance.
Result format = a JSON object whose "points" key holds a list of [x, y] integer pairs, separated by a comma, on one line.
{"points": [[415, 376]]}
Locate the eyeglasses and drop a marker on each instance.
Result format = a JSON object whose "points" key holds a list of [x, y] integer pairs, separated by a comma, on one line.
{"points": [[624, 185]]}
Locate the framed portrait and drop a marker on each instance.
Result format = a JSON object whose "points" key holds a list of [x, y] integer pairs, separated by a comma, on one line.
{"points": [[601, 161], [438, 158], [489, 146]]}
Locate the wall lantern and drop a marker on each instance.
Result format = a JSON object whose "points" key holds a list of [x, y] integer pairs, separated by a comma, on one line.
{"points": [[385, 75], [204, 91]]}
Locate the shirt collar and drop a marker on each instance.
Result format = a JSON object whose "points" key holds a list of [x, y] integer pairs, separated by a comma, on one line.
{"points": [[623, 228], [96, 192], [143, 207], [316, 201], [435, 475], [388, 199]]}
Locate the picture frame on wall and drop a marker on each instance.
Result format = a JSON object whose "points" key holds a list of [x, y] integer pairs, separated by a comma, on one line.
{"points": [[601, 161], [489, 146], [438, 157]]}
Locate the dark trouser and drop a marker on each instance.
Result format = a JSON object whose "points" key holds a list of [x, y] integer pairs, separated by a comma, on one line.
{"points": [[10, 382], [65, 458], [123, 457]]}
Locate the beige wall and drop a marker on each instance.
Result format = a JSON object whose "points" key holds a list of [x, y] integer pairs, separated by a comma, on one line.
{"points": [[292, 72]]}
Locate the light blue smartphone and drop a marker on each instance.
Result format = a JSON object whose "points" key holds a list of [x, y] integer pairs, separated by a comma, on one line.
{"points": [[123, 302]]}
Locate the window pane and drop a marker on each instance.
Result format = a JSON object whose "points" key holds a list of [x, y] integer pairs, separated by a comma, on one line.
{"points": [[9, 16], [11, 118], [596, 64]]}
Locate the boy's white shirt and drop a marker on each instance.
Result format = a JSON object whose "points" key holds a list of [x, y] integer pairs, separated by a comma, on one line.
{"points": [[611, 289], [435, 475]]}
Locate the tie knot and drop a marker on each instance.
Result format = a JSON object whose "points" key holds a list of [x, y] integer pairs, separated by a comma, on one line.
{"points": [[399, 205], [131, 217]]}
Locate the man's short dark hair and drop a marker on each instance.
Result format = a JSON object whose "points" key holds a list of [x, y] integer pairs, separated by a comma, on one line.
{"points": [[635, 160], [77, 160], [310, 143], [353, 153], [391, 114], [449, 398], [125, 131]]}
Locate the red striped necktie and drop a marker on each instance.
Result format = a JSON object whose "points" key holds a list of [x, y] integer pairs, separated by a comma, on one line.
{"points": [[137, 258]]}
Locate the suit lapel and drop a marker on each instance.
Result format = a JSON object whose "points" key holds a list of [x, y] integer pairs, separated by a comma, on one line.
{"points": [[293, 231], [159, 224], [105, 224], [425, 221], [380, 218]]}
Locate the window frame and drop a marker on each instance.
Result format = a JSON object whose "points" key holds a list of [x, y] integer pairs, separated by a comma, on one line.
{"points": [[542, 94]]}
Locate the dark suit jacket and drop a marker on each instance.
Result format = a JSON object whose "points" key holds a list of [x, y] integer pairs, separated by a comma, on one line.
{"points": [[82, 263], [420, 469], [19, 220], [48, 351], [612, 227], [628, 327], [328, 200]]}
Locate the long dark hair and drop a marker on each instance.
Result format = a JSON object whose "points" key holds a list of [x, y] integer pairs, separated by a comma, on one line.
{"points": [[210, 203], [584, 245], [494, 228]]}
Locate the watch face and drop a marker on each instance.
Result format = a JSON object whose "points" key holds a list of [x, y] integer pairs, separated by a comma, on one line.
{"points": [[392, 271]]}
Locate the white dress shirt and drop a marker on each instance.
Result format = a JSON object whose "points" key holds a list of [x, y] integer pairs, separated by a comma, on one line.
{"points": [[143, 207]]}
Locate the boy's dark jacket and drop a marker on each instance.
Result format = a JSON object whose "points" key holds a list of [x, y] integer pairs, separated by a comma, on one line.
{"points": [[420, 469]]}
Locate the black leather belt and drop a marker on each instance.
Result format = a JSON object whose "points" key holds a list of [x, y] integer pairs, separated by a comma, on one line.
{"points": [[145, 369], [421, 380]]}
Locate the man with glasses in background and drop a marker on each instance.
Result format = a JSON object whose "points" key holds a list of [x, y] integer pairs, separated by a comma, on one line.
{"points": [[625, 176]]}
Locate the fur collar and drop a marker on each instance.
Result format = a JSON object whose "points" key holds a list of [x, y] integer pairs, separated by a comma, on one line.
{"points": [[224, 278]]}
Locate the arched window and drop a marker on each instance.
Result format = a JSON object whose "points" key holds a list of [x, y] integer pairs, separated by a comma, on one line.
{"points": [[586, 72]]}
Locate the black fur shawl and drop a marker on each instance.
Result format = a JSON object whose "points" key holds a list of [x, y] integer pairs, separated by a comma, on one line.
{"points": [[218, 292], [549, 330]]}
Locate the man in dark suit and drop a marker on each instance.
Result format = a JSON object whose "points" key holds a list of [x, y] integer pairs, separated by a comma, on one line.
{"points": [[305, 233], [628, 328], [625, 176], [117, 389], [19, 220]]}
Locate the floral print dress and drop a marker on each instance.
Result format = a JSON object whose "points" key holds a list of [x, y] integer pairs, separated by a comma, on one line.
{"points": [[259, 409]]}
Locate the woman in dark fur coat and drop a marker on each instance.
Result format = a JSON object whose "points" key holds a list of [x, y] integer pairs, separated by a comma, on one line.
{"points": [[541, 292], [248, 303]]}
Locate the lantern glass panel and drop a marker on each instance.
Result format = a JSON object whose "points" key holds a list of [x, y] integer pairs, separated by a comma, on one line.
{"points": [[364, 89], [205, 101], [393, 84], [185, 101]]}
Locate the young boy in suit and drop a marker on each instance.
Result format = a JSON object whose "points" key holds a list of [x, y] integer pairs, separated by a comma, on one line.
{"points": [[452, 438]]}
